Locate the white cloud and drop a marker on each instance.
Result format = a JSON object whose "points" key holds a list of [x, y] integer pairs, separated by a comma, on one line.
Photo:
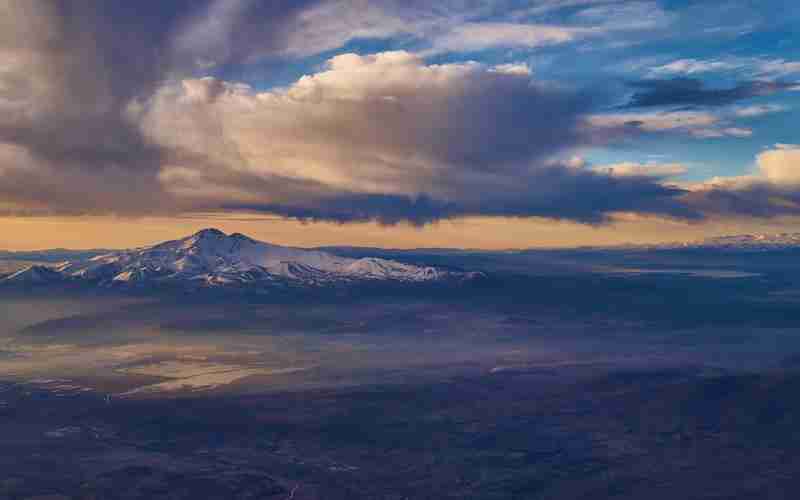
{"points": [[626, 16], [548, 6], [592, 19], [451, 25], [737, 132], [694, 66], [698, 124], [384, 123], [387, 136], [329, 25], [713, 133], [208, 33], [779, 67], [757, 110], [773, 189], [672, 121], [476, 137], [479, 36], [631, 169], [447, 26], [751, 67], [780, 165], [513, 69]]}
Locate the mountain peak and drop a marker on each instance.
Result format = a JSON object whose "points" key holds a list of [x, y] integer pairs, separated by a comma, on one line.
{"points": [[240, 236], [212, 258], [208, 232], [206, 240]]}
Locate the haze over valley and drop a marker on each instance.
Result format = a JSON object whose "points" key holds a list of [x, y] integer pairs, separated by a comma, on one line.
{"points": [[121, 378]]}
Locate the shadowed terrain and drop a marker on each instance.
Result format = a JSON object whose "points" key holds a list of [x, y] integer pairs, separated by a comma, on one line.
{"points": [[541, 380]]}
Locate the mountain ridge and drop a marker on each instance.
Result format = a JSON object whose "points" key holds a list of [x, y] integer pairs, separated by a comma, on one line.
{"points": [[212, 258]]}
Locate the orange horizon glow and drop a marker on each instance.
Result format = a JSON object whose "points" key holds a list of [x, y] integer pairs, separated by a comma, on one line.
{"points": [[480, 233]]}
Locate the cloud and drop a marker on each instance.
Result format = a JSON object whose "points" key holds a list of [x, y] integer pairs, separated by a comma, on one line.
{"points": [[548, 6], [778, 67], [450, 26], [781, 165], [63, 90], [752, 67], [772, 191], [388, 137], [104, 108], [695, 66], [706, 124], [758, 110], [698, 124], [32, 184], [329, 25], [320, 26], [630, 169], [723, 132], [514, 69], [230, 32], [528, 27], [71, 74], [693, 92], [470, 37], [626, 16]]}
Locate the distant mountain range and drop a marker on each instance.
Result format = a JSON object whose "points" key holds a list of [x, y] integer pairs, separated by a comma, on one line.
{"points": [[755, 240], [738, 242], [741, 242], [211, 258]]}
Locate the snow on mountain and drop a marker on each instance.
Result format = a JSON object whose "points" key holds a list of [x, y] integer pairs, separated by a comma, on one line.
{"points": [[754, 241], [34, 275], [737, 242], [213, 258]]}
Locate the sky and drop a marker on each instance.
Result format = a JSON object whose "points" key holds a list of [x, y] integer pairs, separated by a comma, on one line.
{"points": [[459, 123]]}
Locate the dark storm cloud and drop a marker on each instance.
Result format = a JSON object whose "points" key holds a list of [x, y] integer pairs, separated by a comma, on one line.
{"points": [[772, 191], [101, 111], [759, 199], [690, 92], [756, 201], [71, 72], [344, 208], [84, 63], [579, 196]]}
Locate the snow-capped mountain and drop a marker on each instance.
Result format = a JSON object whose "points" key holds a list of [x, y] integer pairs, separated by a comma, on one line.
{"points": [[736, 242], [754, 241], [213, 258]]}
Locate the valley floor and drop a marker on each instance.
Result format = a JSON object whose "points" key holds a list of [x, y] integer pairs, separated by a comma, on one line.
{"points": [[567, 433]]}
